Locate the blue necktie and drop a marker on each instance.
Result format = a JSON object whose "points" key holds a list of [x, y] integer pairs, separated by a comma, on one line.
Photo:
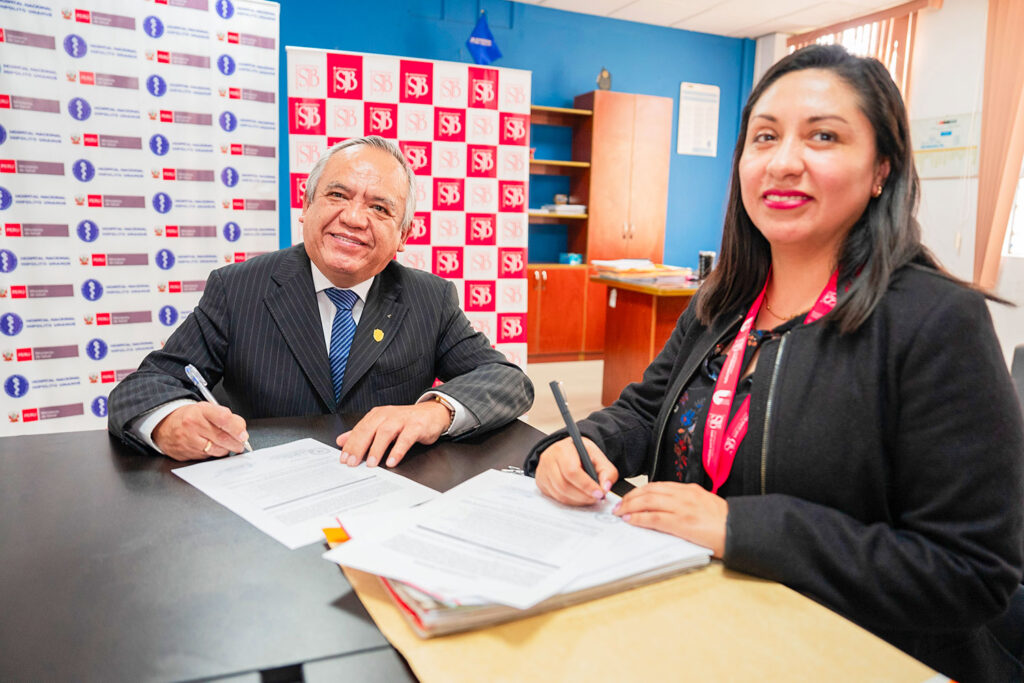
{"points": [[342, 330]]}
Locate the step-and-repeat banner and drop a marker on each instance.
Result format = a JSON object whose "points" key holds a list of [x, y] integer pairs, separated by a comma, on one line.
{"points": [[465, 131], [138, 151]]}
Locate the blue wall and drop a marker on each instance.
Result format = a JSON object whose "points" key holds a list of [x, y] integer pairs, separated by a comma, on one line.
{"points": [[565, 52]]}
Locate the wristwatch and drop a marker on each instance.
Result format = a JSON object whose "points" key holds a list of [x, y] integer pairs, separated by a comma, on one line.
{"points": [[451, 411]]}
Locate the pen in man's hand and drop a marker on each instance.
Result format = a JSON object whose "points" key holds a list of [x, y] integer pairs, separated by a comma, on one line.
{"points": [[200, 382], [574, 431]]}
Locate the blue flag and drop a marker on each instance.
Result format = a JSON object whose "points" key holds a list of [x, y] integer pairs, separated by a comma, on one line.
{"points": [[481, 43]]}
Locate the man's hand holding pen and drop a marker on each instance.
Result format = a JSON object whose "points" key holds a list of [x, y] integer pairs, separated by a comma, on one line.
{"points": [[200, 430]]}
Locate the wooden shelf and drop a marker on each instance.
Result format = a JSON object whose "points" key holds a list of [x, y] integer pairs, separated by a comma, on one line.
{"points": [[556, 167], [556, 162], [557, 116]]}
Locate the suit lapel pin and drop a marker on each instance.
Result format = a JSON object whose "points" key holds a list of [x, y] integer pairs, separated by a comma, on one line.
{"points": [[378, 334]]}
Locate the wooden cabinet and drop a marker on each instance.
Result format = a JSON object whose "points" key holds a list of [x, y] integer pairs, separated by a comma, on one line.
{"points": [[628, 143], [621, 150], [555, 316]]}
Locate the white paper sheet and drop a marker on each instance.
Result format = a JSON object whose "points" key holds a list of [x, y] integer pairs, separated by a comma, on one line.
{"points": [[293, 491], [496, 538]]}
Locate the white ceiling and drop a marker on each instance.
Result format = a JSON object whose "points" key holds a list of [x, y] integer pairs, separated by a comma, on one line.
{"points": [[735, 18]]}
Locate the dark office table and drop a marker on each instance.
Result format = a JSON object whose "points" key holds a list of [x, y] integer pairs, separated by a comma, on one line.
{"points": [[114, 569]]}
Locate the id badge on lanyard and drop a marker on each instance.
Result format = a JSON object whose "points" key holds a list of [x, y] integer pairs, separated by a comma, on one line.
{"points": [[722, 437]]}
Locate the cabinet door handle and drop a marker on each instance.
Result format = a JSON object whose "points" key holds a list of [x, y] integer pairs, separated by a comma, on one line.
{"points": [[625, 230], [544, 280], [632, 230]]}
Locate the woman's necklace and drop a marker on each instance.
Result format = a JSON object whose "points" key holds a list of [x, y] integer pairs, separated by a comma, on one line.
{"points": [[776, 315]]}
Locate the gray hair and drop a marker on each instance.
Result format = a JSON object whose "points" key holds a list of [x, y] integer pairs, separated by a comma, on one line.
{"points": [[370, 141]]}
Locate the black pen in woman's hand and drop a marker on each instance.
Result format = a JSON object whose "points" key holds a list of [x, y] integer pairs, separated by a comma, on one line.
{"points": [[574, 431]]}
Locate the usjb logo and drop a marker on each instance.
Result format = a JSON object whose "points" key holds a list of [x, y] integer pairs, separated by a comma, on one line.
{"points": [[164, 259], [16, 386], [6, 199], [226, 65], [228, 121], [168, 315], [159, 145], [79, 108], [232, 232], [162, 202], [11, 324], [229, 176], [75, 46], [83, 170], [92, 290], [96, 349], [8, 261], [224, 9], [153, 27], [99, 406], [156, 86], [88, 231]]}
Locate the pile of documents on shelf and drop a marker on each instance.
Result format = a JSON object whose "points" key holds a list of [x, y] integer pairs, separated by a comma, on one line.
{"points": [[495, 549], [643, 271], [564, 208]]}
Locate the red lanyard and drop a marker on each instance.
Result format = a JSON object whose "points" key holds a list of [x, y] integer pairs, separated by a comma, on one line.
{"points": [[721, 441]]}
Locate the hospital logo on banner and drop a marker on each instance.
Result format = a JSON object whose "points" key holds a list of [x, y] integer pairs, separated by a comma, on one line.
{"points": [[513, 129], [345, 76], [511, 262], [483, 88], [511, 196], [511, 328], [449, 194], [450, 125], [418, 156], [448, 262], [482, 161], [419, 229], [479, 295], [481, 229], [307, 116], [381, 119], [298, 185], [417, 81]]}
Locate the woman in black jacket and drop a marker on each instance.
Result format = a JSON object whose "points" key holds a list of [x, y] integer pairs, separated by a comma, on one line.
{"points": [[833, 411]]}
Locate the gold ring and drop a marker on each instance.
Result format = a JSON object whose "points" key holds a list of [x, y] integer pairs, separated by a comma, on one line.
{"points": [[206, 448]]}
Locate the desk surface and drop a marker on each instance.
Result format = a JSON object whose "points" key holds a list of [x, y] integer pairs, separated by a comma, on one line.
{"points": [[113, 569], [652, 288]]}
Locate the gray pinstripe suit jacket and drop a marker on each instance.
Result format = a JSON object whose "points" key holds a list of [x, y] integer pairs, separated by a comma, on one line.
{"points": [[257, 330]]}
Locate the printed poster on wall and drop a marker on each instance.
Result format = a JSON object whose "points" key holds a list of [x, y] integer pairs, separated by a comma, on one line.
{"points": [[138, 151], [465, 131]]}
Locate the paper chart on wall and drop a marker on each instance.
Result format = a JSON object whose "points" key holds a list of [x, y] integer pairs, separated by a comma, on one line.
{"points": [[698, 119]]}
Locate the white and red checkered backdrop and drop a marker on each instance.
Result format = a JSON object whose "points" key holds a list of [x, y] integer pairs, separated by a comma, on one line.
{"points": [[138, 151], [465, 131]]}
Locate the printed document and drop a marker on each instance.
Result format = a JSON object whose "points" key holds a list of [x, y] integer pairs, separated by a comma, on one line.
{"points": [[497, 538], [293, 491]]}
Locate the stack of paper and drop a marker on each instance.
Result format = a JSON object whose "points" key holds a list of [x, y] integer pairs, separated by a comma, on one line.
{"points": [[564, 208], [494, 548]]}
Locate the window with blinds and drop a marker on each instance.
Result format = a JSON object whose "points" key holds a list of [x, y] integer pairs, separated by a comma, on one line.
{"points": [[888, 36]]}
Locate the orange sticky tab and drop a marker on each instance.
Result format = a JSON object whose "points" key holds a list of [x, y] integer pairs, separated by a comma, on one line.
{"points": [[335, 535]]}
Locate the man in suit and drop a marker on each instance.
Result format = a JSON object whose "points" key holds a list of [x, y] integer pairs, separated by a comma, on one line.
{"points": [[332, 325]]}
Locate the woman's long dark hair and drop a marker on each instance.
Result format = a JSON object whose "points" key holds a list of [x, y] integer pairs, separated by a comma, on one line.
{"points": [[886, 237]]}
